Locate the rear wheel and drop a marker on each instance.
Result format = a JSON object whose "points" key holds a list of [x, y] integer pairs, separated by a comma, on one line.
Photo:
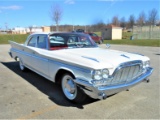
{"points": [[71, 91], [21, 65]]}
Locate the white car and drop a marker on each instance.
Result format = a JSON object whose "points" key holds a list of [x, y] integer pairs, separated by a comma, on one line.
{"points": [[82, 68]]}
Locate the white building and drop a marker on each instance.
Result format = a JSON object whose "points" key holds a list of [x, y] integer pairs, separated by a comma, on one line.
{"points": [[112, 33], [18, 30], [35, 29], [23, 30]]}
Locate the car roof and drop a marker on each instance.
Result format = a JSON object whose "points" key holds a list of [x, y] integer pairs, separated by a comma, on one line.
{"points": [[51, 33]]}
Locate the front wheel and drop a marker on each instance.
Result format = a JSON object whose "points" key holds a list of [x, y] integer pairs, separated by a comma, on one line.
{"points": [[70, 89]]}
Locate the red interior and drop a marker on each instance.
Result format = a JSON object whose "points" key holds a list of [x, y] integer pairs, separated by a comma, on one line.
{"points": [[58, 48]]}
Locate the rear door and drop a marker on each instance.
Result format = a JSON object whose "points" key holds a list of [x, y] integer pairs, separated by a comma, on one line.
{"points": [[37, 62], [28, 52], [40, 63]]}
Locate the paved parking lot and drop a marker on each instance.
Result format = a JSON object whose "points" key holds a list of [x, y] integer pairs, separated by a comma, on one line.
{"points": [[30, 96]]}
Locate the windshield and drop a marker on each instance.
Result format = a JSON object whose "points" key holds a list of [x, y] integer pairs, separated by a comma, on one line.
{"points": [[71, 40]]}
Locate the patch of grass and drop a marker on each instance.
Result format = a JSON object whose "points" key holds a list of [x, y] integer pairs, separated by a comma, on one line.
{"points": [[126, 35], [20, 38], [98, 33], [126, 41], [154, 43]]}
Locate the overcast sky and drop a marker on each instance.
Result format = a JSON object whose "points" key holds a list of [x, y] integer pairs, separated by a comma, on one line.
{"points": [[25, 13]]}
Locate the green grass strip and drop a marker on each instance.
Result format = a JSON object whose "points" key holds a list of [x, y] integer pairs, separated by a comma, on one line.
{"points": [[153, 43], [20, 38]]}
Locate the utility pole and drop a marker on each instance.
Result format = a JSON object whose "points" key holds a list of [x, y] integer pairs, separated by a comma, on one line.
{"points": [[85, 28], [72, 25], [6, 25]]}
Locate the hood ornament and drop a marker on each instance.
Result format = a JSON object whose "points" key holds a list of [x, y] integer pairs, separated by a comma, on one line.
{"points": [[125, 56], [108, 46]]}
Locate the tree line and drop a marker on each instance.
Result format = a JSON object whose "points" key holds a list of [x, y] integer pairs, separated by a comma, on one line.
{"points": [[143, 19]]}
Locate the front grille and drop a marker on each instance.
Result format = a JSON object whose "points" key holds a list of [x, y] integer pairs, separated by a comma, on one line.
{"points": [[127, 72]]}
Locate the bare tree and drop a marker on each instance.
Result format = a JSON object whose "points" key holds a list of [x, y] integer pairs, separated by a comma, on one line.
{"points": [[97, 26], [141, 19], [6, 25], [115, 21], [56, 15], [123, 22], [152, 17], [131, 21], [158, 21], [100, 25]]}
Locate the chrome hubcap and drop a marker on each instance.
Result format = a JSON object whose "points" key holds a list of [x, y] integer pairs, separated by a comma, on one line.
{"points": [[21, 64], [69, 88]]}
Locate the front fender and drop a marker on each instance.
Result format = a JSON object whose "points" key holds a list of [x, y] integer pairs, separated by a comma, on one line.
{"points": [[76, 71]]}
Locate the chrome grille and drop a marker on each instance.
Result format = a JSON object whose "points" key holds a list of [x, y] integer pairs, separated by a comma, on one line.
{"points": [[127, 73]]}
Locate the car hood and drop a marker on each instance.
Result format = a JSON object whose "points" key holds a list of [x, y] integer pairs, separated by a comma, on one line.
{"points": [[95, 58]]}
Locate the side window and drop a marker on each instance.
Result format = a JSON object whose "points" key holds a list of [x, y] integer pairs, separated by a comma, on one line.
{"points": [[72, 40], [41, 42], [56, 40], [32, 41]]}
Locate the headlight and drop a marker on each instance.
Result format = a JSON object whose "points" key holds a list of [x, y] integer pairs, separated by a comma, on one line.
{"points": [[105, 73], [100, 77], [97, 75], [146, 64], [100, 74]]}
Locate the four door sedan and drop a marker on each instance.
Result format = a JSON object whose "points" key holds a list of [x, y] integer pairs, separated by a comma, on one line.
{"points": [[82, 68]]}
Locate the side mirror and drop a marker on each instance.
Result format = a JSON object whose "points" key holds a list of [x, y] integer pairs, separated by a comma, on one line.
{"points": [[108, 46]]}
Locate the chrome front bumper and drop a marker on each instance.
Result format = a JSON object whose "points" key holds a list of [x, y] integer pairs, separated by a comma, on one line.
{"points": [[104, 91]]}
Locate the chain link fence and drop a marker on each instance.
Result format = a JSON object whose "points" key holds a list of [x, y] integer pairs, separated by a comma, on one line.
{"points": [[146, 32]]}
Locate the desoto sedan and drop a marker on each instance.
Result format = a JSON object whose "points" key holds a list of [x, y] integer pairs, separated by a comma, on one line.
{"points": [[82, 68]]}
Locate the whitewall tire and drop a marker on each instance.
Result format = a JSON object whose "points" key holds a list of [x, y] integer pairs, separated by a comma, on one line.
{"points": [[70, 90], [21, 65]]}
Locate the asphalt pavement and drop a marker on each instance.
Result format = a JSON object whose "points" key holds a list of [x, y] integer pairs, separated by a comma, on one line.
{"points": [[26, 95]]}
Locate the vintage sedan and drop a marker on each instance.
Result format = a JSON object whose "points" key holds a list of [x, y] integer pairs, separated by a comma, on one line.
{"points": [[82, 68]]}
